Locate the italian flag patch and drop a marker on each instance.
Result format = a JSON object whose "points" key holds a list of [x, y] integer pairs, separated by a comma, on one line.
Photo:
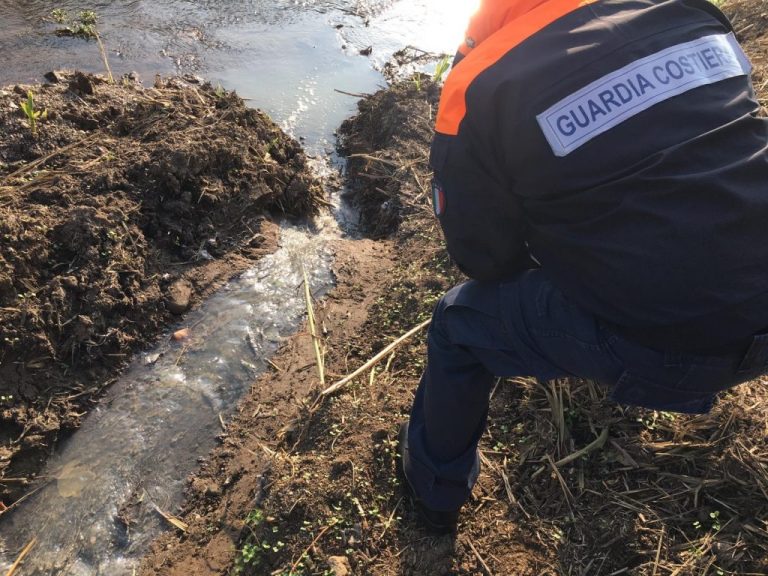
{"points": [[438, 197]]}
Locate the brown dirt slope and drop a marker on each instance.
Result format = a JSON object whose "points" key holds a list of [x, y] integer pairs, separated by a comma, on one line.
{"points": [[571, 485], [126, 207], [386, 155]]}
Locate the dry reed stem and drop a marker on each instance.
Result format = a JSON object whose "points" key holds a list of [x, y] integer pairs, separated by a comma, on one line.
{"points": [[377, 358], [658, 552], [388, 523], [307, 550], [26, 496], [591, 447], [480, 559], [319, 357], [171, 519], [103, 52], [21, 557], [32, 165]]}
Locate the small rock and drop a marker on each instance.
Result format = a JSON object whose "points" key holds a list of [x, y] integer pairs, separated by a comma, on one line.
{"points": [[193, 79], [55, 76], [70, 282], [81, 83], [179, 297], [257, 240], [206, 488], [339, 565], [180, 335], [366, 51]]}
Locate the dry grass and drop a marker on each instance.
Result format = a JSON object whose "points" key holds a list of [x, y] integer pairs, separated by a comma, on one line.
{"points": [[667, 494]]}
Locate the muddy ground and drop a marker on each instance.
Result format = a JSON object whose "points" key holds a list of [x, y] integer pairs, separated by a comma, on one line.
{"points": [[125, 208], [306, 484]]}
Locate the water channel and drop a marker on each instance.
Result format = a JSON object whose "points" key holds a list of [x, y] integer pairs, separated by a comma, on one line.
{"points": [[287, 58]]}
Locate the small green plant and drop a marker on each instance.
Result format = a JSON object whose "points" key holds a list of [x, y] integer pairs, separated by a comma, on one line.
{"points": [[249, 552], [28, 107], [60, 16], [254, 518], [441, 68], [84, 26], [417, 81], [715, 525], [270, 148], [715, 516]]}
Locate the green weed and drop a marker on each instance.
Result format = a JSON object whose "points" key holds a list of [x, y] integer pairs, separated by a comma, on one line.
{"points": [[714, 525], [254, 518], [83, 26], [249, 552], [441, 68], [33, 115]]}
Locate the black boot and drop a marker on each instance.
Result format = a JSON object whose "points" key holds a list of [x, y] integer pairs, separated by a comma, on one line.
{"points": [[436, 521]]}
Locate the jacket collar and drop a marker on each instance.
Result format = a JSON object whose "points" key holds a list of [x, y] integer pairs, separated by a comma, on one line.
{"points": [[492, 16]]}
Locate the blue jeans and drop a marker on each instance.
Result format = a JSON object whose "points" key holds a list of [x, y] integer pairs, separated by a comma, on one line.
{"points": [[529, 328]]}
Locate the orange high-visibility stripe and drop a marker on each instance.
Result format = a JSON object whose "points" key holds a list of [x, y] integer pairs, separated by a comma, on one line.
{"points": [[491, 16], [453, 105]]}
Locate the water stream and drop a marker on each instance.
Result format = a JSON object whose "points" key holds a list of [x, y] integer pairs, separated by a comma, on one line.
{"points": [[132, 454], [136, 449]]}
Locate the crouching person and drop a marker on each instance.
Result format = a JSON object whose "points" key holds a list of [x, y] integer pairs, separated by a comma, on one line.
{"points": [[601, 174]]}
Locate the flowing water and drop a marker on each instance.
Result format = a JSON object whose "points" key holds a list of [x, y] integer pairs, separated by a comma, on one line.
{"points": [[132, 454], [135, 450]]}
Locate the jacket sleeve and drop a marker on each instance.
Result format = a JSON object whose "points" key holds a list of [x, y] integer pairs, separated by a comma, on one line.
{"points": [[481, 218]]}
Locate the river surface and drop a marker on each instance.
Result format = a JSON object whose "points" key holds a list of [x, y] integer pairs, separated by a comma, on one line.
{"points": [[291, 59], [285, 56]]}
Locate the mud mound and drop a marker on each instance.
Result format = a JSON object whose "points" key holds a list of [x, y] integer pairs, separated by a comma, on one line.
{"points": [[126, 204], [387, 145]]}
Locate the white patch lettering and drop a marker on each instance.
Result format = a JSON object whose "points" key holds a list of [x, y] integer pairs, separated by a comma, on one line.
{"points": [[616, 97]]}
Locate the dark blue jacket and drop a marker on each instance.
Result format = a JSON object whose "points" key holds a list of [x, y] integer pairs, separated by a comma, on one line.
{"points": [[618, 143]]}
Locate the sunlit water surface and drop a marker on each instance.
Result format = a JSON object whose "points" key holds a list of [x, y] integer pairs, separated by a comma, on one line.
{"points": [[286, 56], [134, 452]]}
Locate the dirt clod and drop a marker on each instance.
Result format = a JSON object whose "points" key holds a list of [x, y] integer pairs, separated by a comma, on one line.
{"points": [[179, 296], [339, 566]]}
